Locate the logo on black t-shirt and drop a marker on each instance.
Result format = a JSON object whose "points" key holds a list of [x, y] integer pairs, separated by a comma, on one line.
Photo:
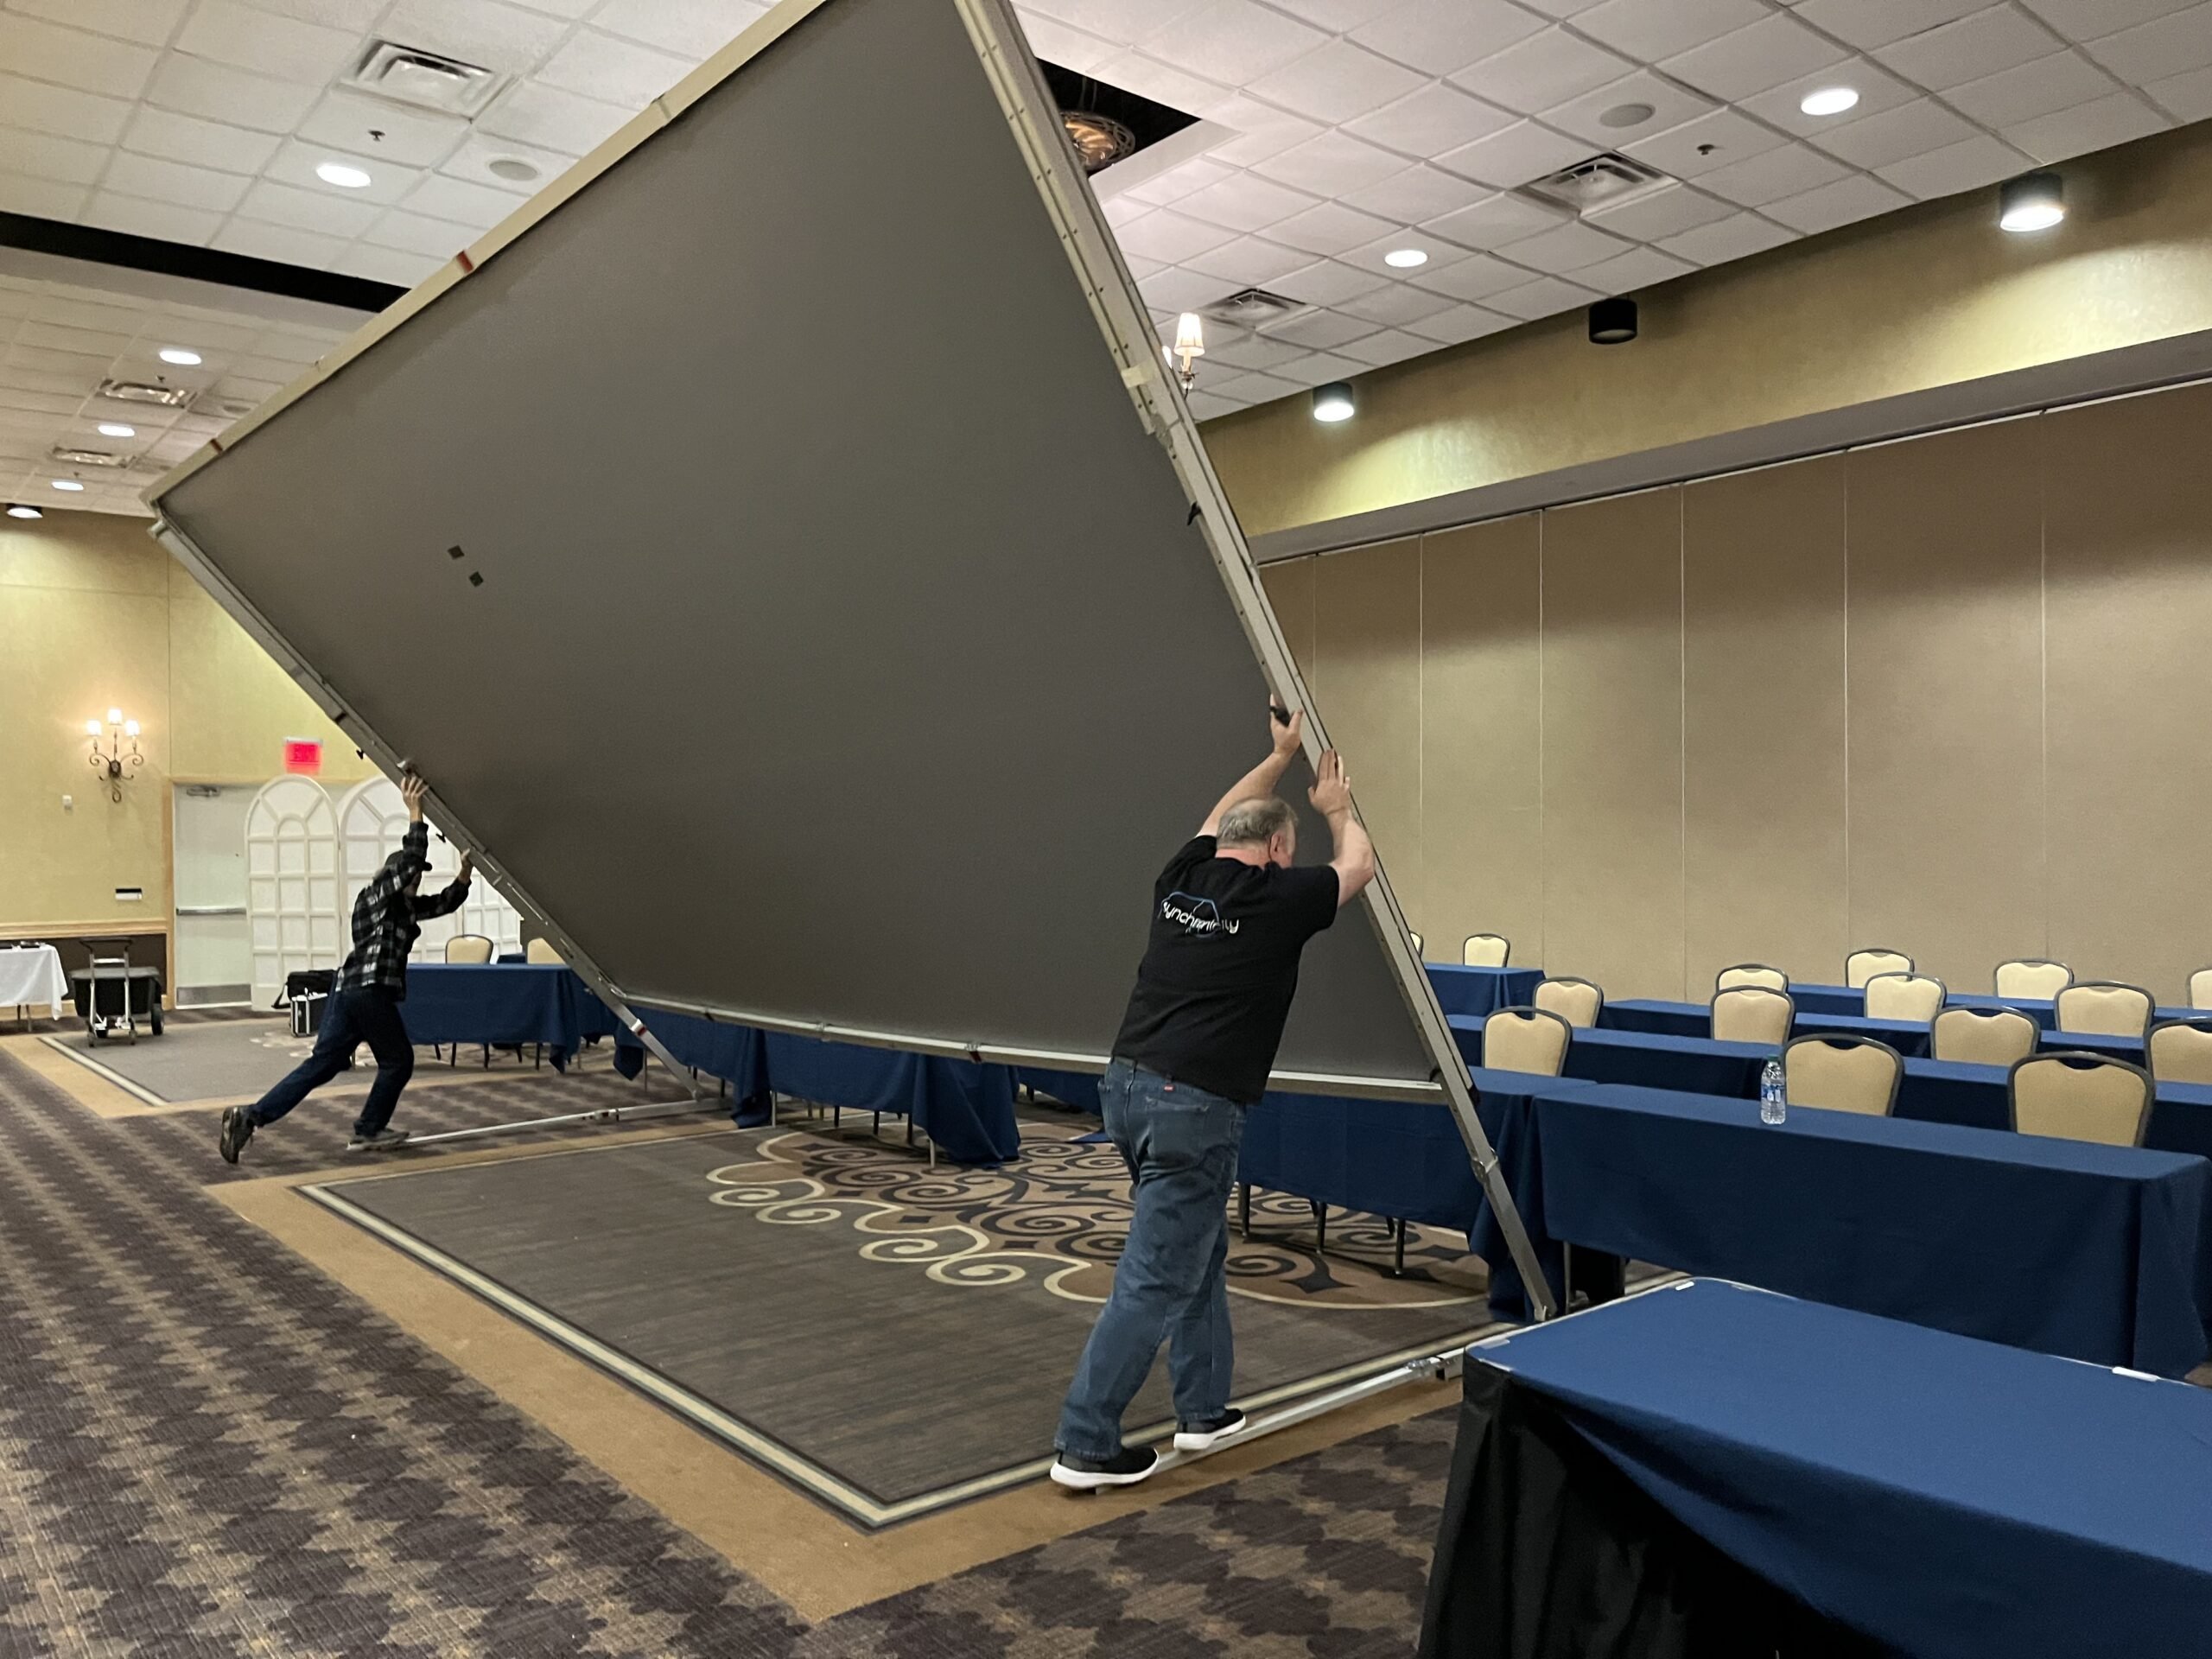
{"points": [[1199, 919]]}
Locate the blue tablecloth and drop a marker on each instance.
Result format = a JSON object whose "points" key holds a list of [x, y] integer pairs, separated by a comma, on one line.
{"points": [[1697, 1064], [966, 1109], [502, 1003], [1478, 991], [1653, 1016], [1950, 1499], [2098, 1253]]}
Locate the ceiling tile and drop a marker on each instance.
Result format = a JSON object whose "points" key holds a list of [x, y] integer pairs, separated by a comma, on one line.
{"points": [[1168, 235], [1494, 220], [1252, 351], [1967, 165], [2086, 19], [1337, 17], [2028, 90], [1973, 47], [41, 198], [1753, 59], [1546, 296], [1261, 130], [282, 47], [387, 265], [1163, 82], [1396, 303], [286, 246], [1340, 82], [1664, 212], [1245, 201], [296, 162], [1173, 288], [215, 91], [1416, 194], [1867, 23], [1790, 171], [472, 162], [1249, 262], [2186, 97], [1845, 202], [1603, 117], [1053, 40], [162, 221], [1250, 388], [62, 110], [1547, 68], [1205, 406], [1126, 21], [2155, 50], [1375, 256], [1320, 329], [1477, 278], [1174, 183], [69, 57], [1318, 369], [1735, 238], [1440, 36], [463, 203], [44, 157], [1232, 41], [2099, 126], [1717, 140], [186, 138], [551, 119], [1331, 164], [150, 22], [1877, 87], [1461, 324], [307, 210], [1649, 30], [350, 122], [1330, 228], [173, 182], [1327, 281], [502, 37], [1509, 159], [1909, 130], [1380, 351], [613, 70], [1435, 119], [691, 28], [1564, 248], [1638, 268]]}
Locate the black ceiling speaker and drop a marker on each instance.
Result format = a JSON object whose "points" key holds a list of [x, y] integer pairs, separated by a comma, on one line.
{"points": [[1612, 323]]}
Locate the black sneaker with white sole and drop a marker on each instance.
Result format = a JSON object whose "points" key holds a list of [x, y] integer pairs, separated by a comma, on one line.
{"points": [[1206, 1435], [1125, 1468], [237, 1130], [382, 1141]]}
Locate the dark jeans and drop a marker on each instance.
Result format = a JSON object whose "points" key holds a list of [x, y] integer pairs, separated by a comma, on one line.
{"points": [[1180, 1144], [349, 1019]]}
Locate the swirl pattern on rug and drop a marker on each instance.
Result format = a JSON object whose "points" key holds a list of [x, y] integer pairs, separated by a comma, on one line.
{"points": [[1059, 1218]]}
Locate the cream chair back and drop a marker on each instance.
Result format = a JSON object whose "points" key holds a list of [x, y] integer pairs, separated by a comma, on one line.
{"points": [[1526, 1039], [1752, 1013], [1751, 973], [2032, 978], [1485, 951], [1842, 1074], [1904, 996], [2181, 1051], [1997, 1038], [1862, 965], [2102, 1009], [1575, 1000], [2076, 1096], [542, 950], [468, 947]]}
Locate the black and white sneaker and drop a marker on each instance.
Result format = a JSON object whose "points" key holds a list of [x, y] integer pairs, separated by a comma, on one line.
{"points": [[1204, 1436], [237, 1130], [1125, 1468], [382, 1141]]}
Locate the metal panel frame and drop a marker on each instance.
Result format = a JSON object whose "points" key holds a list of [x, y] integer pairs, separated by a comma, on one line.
{"points": [[1032, 120]]}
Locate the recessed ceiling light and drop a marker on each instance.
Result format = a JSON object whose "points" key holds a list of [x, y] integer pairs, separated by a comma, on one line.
{"points": [[1333, 401], [1405, 258], [2034, 201], [20, 511], [514, 167], [344, 176], [68, 484], [1829, 100], [117, 430], [181, 357]]}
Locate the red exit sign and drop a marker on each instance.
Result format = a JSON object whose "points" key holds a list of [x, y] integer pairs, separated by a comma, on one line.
{"points": [[304, 755]]}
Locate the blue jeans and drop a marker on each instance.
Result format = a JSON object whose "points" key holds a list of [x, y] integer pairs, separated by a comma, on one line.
{"points": [[349, 1019], [1181, 1145]]}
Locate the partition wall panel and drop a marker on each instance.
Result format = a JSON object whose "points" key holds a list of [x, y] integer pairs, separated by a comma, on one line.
{"points": [[1290, 591], [1482, 821], [1765, 756], [1612, 736], [2128, 501], [1946, 664]]}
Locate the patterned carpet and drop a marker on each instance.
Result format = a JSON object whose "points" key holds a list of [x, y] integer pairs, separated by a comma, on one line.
{"points": [[208, 1448]]}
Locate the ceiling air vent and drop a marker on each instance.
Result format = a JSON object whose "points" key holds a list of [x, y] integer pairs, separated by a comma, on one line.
{"points": [[90, 457], [428, 80], [142, 391], [1252, 308], [1601, 181]]}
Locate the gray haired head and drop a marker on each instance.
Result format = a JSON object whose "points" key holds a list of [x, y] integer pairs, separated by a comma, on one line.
{"points": [[1256, 822]]}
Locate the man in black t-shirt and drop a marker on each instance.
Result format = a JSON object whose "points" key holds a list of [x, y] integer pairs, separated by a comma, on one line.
{"points": [[1229, 916]]}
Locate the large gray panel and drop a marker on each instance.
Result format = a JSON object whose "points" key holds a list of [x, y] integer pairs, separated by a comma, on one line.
{"points": [[844, 652]]}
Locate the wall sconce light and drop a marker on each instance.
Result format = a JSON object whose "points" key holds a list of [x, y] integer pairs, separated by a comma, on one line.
{"points": [[114, 761], [1189, 346]]}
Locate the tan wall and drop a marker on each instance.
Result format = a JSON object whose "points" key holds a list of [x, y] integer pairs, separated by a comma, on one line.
{"points": [[1925, 297], [93, 616], [1947, 696]]}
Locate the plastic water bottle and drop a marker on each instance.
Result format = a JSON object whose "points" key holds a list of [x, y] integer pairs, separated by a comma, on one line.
{"points": [[1773, 1107]]}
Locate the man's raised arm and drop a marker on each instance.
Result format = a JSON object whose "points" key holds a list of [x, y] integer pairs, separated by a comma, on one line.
{"points": [[1354, 861], [1262, 778]]}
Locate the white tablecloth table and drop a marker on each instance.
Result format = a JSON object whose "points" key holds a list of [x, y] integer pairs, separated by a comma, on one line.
{"points": [[32, 978]]}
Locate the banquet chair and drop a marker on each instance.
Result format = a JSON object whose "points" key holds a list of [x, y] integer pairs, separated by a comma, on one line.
{"points": [[1916, 997], [1753, 1013], [1862, 965], [1484, 951], [2031, 976], [2181, 1051], [2105, 1008], [1997, 1038], [541, 952], [1575, 1000], [2074, 1096], [1526, 1039], [473, 948], [2200, 988], [1842, 1074], [1751, 973]]}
